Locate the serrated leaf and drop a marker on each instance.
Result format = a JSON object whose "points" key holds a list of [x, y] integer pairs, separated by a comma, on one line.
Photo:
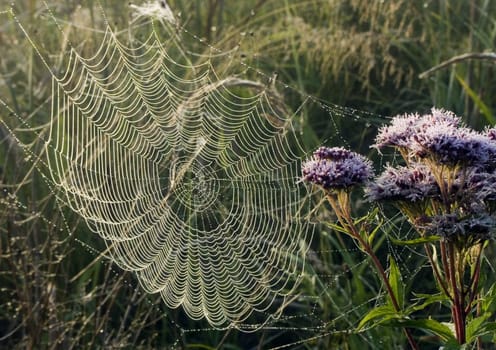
{"points": [[488, 301], [337, 228], [427, 325], [372, 234], [454, 345], [395, 281], [369, 217], [474, 326], [358, 221], [477, 328], [416, 241], [378, 315], [428, 300]]}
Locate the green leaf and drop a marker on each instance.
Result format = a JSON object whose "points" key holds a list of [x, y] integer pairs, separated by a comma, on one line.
{"points": [[337, 227], [416, 241], [488, 301], [454, 345], [369, 217], [478, 327], [474, 326], [372, 234], [358, 221], [428, 300], [427, 325], [378, 315], [395, 281]]}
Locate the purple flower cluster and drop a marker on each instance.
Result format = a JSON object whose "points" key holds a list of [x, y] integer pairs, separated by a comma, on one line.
{"points": [[453, 145], [410, 184], [447, 186], [333, 153], [481, 186], [398, 133], [439, 136], [336, 168], [452, 227], [403, 128], [450, 169]]}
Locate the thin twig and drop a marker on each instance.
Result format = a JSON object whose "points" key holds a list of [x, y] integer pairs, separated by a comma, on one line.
{"points": [[460, 58]]}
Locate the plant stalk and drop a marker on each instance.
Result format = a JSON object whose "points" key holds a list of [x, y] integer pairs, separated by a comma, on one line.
{"points": [[345, 219], [437, 273], [458, 309]]}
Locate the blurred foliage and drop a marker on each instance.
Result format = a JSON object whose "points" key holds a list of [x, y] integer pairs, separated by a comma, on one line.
{"points": [[56, 291]]}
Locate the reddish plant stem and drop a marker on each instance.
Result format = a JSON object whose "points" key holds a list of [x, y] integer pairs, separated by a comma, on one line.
{"points": [[474, 283], [444, 261], [346, 221], [457, 310], [380, 269], [437, 273]]}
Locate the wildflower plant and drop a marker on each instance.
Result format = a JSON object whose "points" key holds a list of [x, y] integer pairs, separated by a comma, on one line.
{"points": [[445, 186]]}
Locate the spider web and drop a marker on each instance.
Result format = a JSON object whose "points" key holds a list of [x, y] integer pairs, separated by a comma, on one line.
{"points": [[192, 185], [190, 173]]}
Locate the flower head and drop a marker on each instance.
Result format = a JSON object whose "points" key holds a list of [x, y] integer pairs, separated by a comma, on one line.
{"points": [[409, 184], [333, 153], [403, 128], [398, 133], [482, 184], [448, 144], [440, 116], [453, 228], [336, 168]]}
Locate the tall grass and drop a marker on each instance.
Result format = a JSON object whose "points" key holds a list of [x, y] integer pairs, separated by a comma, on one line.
{"points": [[56, 291]]}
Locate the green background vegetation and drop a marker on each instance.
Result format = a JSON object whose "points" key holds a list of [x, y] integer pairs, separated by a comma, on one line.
{"points": [[56, 291]]}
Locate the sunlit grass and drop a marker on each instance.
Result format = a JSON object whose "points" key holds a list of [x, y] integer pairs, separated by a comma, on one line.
{"points": [[55, 288]]}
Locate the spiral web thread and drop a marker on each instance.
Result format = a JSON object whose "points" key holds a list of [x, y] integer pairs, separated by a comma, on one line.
{"points": [[192, 182]]}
